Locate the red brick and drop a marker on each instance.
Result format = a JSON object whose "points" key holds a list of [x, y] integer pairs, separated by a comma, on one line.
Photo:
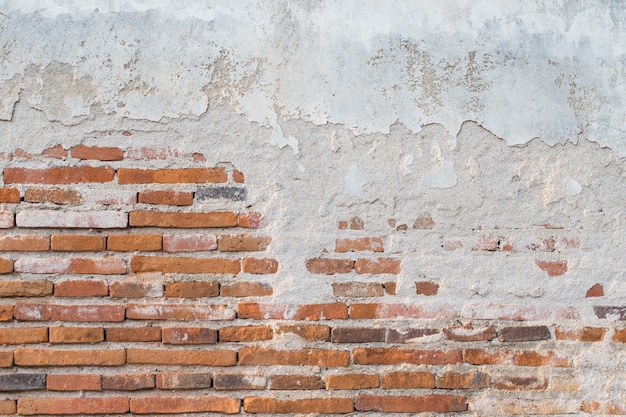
{"points": [[179, 312], [304, 312], [97, 153], [523, 333], [357, 335], [131, 289], [470, 333], [142, 218], [459, 380], [377, 266], [426, 288], [251, 220], [517, 358], [390, 356], [178, 265], [307, 332], [302, 357], [24, 243], [55, 357], [9, 195], [259, 266], [58, 175], [411, 404], [77, 243], [372, 244], [189, 335], [358, 289], [519, 383], [408, 380], [553, 268], [6, 312], [246, 289], [171, 176], [329, 266], [71, 406], [8, 407], [73, 382], [192, 289], [57, 152], [6, 358], [161, 404], [78, 313], [133, 382], [300, 406], [81, 288], [409, 335], [166, 197], [239, 382], [25, 288], [181, 357], [352, 381], [55, 196], [133, 334], [76, 334], [24, 335], [393, 310], [72, 219], [6, 266], [189, 243], [102, 266], [6, 219], [295, 382], [238, 177], [181, 380], [245, 333], [128, 243], [596, 291], [242, 243]]}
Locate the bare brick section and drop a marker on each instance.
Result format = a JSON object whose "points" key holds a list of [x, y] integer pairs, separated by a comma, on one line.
{"points": [[181, 357], [352, 381], [77, 243], [223, 382], [241, 243], [99, 153], [377, 266], [390, 356], [133, 334], [60, 175], [76, 334], [245, 333], [330, 266], [81, 288], [259, 266], [178, 404], [523, 334], [303, 357], [72, 406], [55, 357], [22, 336], [180, 380], [373, 244], [189, 336], [553, 268], [9, 195], [73, 382], [179, 312], [409, 335], [182, 265], [357, 335], [302, 406], [408, 380], [171, 176], [22, 382], [78, 313], [140, 218], [128, 382], [135, 242], [246, 289], [25, 289], [427, 288], [55, 196], [411, 404], [193, 289], [189, 243], [459, 380], [295, 382]]}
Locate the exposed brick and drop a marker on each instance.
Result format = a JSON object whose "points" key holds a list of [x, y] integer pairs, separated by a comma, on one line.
{"points": [[329, 266], [513, 406], [424, 221], [8, 407], [22, 382], [612, 312], [149, 154], [304, 312], [394, 310], [69, 219], [226, 193], [307, 332], [259, 266], [595, 291], [179, 265], [241, 243], [55, 196], [250, 220], [238, 176], [102, 266], [166, 197], [142, 218], [377, 266], [179, 312], [6, 358], [128, 243], [603, 408], [192, 289], [296, 382], [460, 380], [77, 243], [131, 289], [171, 176], [76, 334], [57, 152], [99, 153], [620, 336], [517, 358], [352, 381], [245, 333], [81, 288], [411, 404], [408, 380], [300, 406], [426, 288], [586, 334], [24, 243], [25, 288], [408, 335], [523, 334], [518, 383], [134, 382], [78, 313], [301, 357], [372, 244], [470, 333], [72, 406], [181, 357], [23, 335], [9, 195], [181, 380], [58, 175], [223, 382], [55, 357], [6, 219], [6, 312], [358, 289], [133, 334], [357, 335], [391, 356], [189, 335], [73, 382], [6, 266], [246, 289], [553, 268], [189, 243], [178, 404]]}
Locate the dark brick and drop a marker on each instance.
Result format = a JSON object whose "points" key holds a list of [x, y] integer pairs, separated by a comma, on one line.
{"points": [[229, 193], [524, 334], [407, 335], [296, 382], [357, 335], [183, 381], [128, 382], [22, 382], [239, 382], [603, 311]]}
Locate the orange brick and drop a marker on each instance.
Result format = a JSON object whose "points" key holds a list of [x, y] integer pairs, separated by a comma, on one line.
{"points": [[242, 243], [411, 404], [6, 266], [171, 176], [302, 357], [259, 266], [391, 356], [76, 334], [25, 288], [246, 289], [78, 313], [185, 265], [553, 268], [131, 289], [73, 382], [54, 357], [189, 335], [181, 357], [300, 406], [142, 218], [426, 288], [377, 266], [102, 266], [8, 407], [81, 288], [166, 197], [203, 404], [99, 153], [77, 243], [59, 175], [24, 243], [127, 243], [295, 382], [189, 243], [259, 311], [6, 312], [56, 196], [133, 334], [329, 266], [250, 220], [132, 382], [238, 177], [20, 336], [57, 152], [372, 244], [408, 380], [597, 290], [586, 334], [517, 358], [6, 358], [307, 332], [245, 333], [193, 289], [72, 406], [179, 312], [9, 195], [183, 380], [352, 381], [458, 380]]}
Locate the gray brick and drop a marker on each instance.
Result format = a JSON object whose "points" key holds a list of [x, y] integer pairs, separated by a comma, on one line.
{"points": [[227, 193], [22, 382]]}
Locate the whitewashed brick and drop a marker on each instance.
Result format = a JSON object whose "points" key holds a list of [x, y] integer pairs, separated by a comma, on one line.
{"points": [[68, 219], [6, 219]]}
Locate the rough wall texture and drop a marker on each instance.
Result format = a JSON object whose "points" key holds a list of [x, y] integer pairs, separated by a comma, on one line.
{"points": [[312, 207]]}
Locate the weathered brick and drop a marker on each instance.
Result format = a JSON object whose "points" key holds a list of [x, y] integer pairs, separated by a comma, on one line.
{"points": [[470, 333], [553, 268], [597, 290], [259, 266], [246, 289], [391, 356], [245, 333], [517, 358], [78, 313], [251, 220], [134, 242], [411, 404], [372, 244], [513, 406], [241, 243], [357, 335], [72, 219], [408, 380], [377, 266], [22, 382], [131, 289], [408, 335], [613, 312], [586, 334], [57, 152], [523, 333], [58, 175], [76, 334], [178, 404], [181, 380], [55, 196], [189, 335], [55, 357], [259, 311], [463, 380], [224, 382], [179, 312], [300, 406], [133, 334], [23, 335], [81, 288], [329, 266], [179, 265], [9, 195], [77, 243], [296, 382], [358, 289], [8, 407], [355, 224], [24, 243], [100, 153], [166, 197], [603, 407], [101, 266], [181, 357], [302, 357], [134, 382], [225, 193], [189, 243], [6, 219], [352, 381], [192, 289], [6, 358], [307, 331], [171, 176], [25, 288], [426, 288], [148, 154], [6, 312], [238, 176], [518, 383], [73, 382], [72, 406], [424, 221], [393, 310]]}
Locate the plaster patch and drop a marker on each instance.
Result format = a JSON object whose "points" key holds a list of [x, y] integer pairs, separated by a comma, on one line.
{"points": [[444, 177], [355, 181], [573, 186]]}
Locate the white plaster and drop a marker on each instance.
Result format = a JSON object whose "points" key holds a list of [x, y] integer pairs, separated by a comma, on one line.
{"points": [[356, 179], [573, 186], [443, 177]]}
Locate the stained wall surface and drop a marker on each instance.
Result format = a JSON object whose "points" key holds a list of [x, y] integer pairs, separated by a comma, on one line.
{"points": [[322, 207]]}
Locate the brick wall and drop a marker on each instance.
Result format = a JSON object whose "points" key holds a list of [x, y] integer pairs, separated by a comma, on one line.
{"points": [[141, 281]]}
